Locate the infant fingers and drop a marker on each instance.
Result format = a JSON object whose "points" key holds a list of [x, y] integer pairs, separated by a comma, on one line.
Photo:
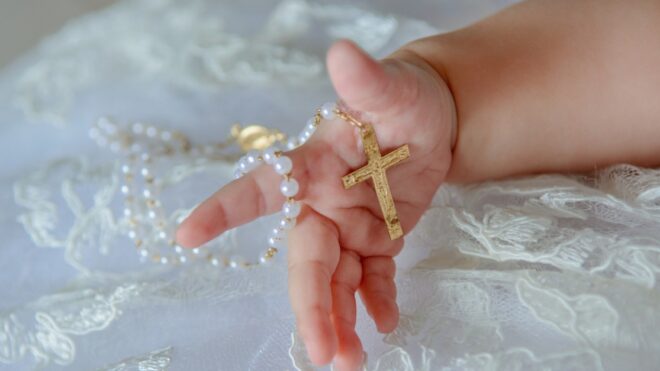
{"points": [[255, 194], [378, 291], [313, 257], [345, 283]]}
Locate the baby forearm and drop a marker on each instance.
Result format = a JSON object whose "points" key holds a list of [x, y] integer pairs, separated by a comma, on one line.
{"points": [[553, 86]]}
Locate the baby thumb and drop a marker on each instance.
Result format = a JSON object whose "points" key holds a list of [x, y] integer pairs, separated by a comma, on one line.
{"points": [[365, 84]]}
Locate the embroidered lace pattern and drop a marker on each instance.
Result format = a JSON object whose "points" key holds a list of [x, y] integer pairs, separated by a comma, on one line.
{"points": [[541, 273]]}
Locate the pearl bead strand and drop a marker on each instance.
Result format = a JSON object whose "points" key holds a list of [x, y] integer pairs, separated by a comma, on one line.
{"points": [[143, 142], [143, 212], [283, 165]]}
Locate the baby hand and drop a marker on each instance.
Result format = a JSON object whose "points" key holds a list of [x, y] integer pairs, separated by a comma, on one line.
{"points": [[341, 244]]}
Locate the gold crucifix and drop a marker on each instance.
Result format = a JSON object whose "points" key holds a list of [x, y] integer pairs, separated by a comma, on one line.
{"points": [[375, 169]]}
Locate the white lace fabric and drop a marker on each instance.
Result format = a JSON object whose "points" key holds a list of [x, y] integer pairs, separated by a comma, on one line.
{"points": [[550, 272]]}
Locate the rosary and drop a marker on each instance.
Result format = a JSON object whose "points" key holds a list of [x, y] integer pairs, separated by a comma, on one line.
{"points": [[262, 146]]}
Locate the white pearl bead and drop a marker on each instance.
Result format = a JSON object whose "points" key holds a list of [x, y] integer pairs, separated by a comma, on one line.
{"points": [[252, 157], [243, 165], [292, 143], [236, 261], [264, 260], [111, 130], [309, 130], [195, 251], [138, 128], [144, 253], [278, 233], [152, 132], [126, 169], [283, 165], [328, 110], [166, 136], [125, 189], [289, 188], [238, 173], [178, 249], [277, 243], [106, 125], [182, 259], [273, 241], [164, 260], [287, 224], [115, 146], [215, 262], [155, 214], [304, 136], [94, 133], [251, 163], [291, 209], [311, 125], [269, 154]]}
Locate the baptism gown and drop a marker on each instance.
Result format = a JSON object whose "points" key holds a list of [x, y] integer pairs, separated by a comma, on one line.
{"points": [[552, 272]]}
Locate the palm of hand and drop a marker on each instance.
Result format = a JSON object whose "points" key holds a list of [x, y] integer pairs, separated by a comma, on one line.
{"points": [[341, 244]]}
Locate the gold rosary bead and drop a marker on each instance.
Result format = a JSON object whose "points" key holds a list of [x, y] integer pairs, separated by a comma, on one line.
{"points": [[271, 252], [151, 202]]}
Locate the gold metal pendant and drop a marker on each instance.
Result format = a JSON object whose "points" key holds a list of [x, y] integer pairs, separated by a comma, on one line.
{"points": [[255, 136], [375, 169]]}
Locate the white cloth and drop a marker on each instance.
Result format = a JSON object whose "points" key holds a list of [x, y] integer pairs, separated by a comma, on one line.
{"points": [[549, 272]]}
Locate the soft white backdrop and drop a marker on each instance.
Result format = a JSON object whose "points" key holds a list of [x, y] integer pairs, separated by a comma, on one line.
{"points": [[23, 23], [551, 272]]}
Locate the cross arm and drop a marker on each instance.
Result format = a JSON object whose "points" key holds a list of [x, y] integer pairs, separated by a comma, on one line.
{"points": [[394, 157], [357, 176]]}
